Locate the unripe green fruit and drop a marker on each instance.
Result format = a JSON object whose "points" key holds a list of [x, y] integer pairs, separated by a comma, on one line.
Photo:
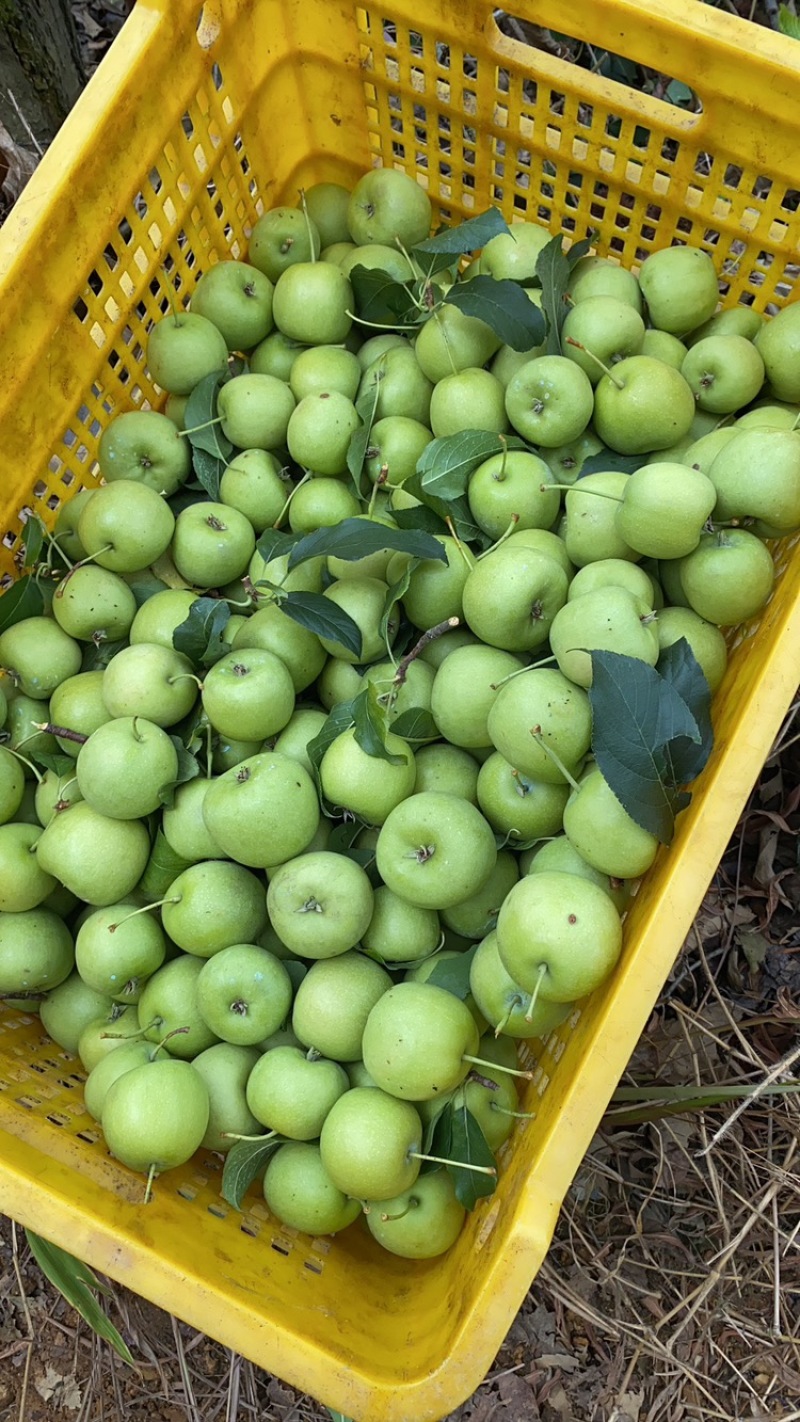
{"points": [[156, 1115], [124, 766], [93, 601], [603, 833], [301, 1193], [40, 654]]}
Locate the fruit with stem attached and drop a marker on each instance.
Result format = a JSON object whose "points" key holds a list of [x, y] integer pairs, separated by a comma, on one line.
{"points": [[333, 1002], [558, 936], [212, 905], [603, 833], [549, 401], [680, 287], [665, 507], [118, 960], [610, 620], [724, 372], [156, 1115], [423, 1222], [435, 850], [319, 904], [282, 237], [263, 811], [67, 849], [537, 714], [244, 994], [504, 1003], [167, 1009], [388, 206], [302, 1194], [237, 298], [182, 350], [145, 446], [641, 404], [291, 1091], [225, 1069], [728, 577]]}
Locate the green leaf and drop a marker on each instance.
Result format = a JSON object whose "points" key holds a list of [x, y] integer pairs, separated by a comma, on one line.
{"points": [[75, 1281], [381, 300], [553, 269], [23, 599], [354, 538], [688, 754], [397, 591], [609, 459], [457, 510], [341, 840], [59, 764], [467, 236], [201, 407], [32, 541], [244, 1162], [452, 974], [209, 470], [318, 614], [504, 306], [447, 464], [682, 96], [420, 517], [163, 866], [339, 719], [370, 723], [200, 637], [366, 406], [188, 769], [274, 544], [788, 22], [145, 585], [578, 250], [416, 725], [635, 712], [458, 1138], [338, 1416], [97, 655]]}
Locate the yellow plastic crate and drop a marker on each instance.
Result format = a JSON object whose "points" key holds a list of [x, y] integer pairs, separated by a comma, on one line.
{"points": [[187, 132]]}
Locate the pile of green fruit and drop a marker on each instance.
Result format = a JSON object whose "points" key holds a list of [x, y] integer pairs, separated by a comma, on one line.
{"points": [[341, 718]]}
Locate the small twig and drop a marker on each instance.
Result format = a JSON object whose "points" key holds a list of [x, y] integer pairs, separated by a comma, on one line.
{"points": [[781, 1069], [427, 637]]}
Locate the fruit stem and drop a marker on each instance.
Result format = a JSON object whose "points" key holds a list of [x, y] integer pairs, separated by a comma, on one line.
{"points": [[285, 509], [62, 732], [460, 1164], [518, 1115], [148, 1192], [539, 980], [532, 666], [217, 420], [308, 224], [432, 633], [536, 732], [412, 1205], [376, 325], [500, 476], [570, 342], [112, 927], [232, 1136], [465, 554], [176, 1032], [503, 536], [437, 318], [185, 676], [32, 768], [495, 1066]]}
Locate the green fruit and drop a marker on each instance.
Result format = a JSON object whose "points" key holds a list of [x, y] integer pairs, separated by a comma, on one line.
{"points": [[68, 1008], [416, 1039], [537, 711], [396, 444], [156, 1115], [517, 806], [549, 401], [512, 596], [395, 381], [157, 619], [151, 681], [591, 519], [100, 1038], [263, 811], [728, 578], [476, 916], [237, 298], [471, 399], [423, 1222], [23, 882], [642, 405], [333, 1002], [349, 780], [248, 693], [108, 1069], [451, 342], [599, 276], [560, 854], [435, 588], [321, 503], [447, 769], [126, 526], [509, 484], [558, 934], [612, 572], [254, 485], [40, 655], [724, 372], [778, 344], [212, 905], [35, 952], [275, 356], [326, 205], [504, 1004], [93, 602], [272, 630], [435, 850], [323, 369], [756, 475], [116, 953], [320, 904], [144, 446], [389, 207], [604, 834], [244, 994], [665, 507], [225, 1070], [399, 932], [182, 350], [608, 330], [67, 849], [706, 641], [608, 620], [55, 793], [664, 347], [124, 766], [167, 1009], [301, 1193], [280, 238], [320, 431], [312, 303], [12, 785], [680, 287], [512, 256], [363, 599]]}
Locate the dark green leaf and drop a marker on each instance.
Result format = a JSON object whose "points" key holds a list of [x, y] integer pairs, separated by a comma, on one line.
{"points": [[209, 470], [163, 866], [416, 725], [370, 723], [467, 236], [634, 712], [578, 250], [683, 97], [397, 590], [339, 719], [338, 1416], [97, 655], [688, 754], [342, 840], [447, 464], [60, 764], [609, 459], [274, 544], [457, 510], [380, 299], [200, 637], [32, 541], [244, 1162], [452, 974], [75, 1281], [419, 517], [201, 408], [553, 270], [504, 306], [429, 1134], [470, 1146], [145, 585], [188, 769], [431, 263], [23, 599], [354, 538], [318, 614], [359, 442]]}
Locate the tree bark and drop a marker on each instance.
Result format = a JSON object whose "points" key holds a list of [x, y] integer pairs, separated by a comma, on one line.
{"points": [[41, 71]]}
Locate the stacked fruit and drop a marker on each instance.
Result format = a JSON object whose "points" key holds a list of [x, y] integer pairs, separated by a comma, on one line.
{"points": [[334, 735]]}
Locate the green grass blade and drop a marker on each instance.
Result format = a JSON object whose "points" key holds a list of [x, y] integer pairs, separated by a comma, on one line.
{"points": [[76, 1281]]}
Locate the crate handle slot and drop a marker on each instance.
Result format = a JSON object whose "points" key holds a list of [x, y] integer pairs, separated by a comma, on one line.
{"points": [[674, 92], [209, 23]]}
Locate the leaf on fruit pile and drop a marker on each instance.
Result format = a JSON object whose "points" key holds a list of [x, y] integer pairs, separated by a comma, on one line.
{"points": [[243, 1163], [609, 459], [679, 666], [637, 714], [369, 718], [75, 1281], [456, 510], [354, 538], [209, 470], [342, 841], [201, 636], [504, 306], [32, 541], [419, 516], [447, 464], [201, 409], [97, 655], [458, 1138], [322, 616], [145, 585], [397, 590], [366, 406], [23, 599], [340, 719], [163, 866], [415, 725], [188, 769], [59, 763], [274, 544], [452, 974], [381, 300], [553, 268], [468, 236]]}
